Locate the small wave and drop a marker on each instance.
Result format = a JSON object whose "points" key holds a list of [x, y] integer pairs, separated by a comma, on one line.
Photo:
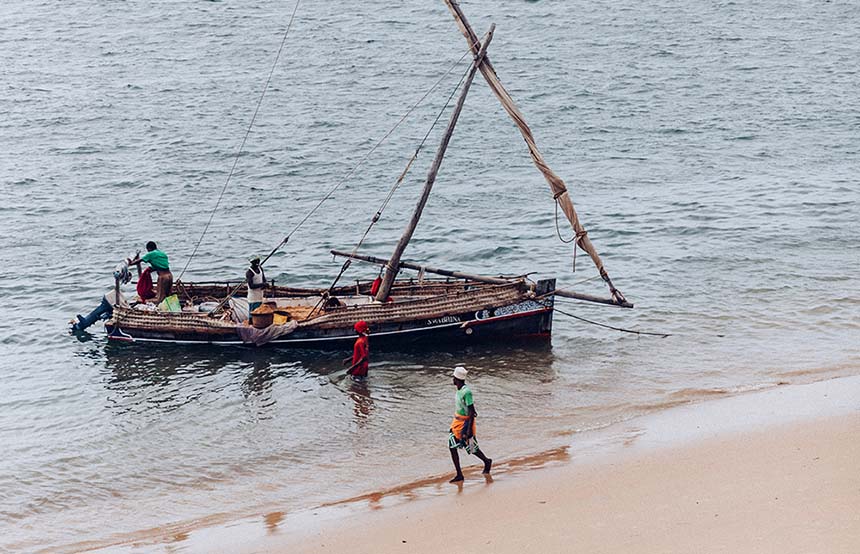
{"points": [[672, 131], [697, 394], [693, 393]]}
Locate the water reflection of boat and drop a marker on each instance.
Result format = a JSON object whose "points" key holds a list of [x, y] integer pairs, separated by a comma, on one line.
{"points": [[137, 363], [141, 364], [461, 308], [155, 377]]}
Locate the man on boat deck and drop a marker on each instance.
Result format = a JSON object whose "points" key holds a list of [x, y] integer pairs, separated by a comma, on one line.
{"points": [[360, 353], [256, 279], [462, 433], [158, 261]]}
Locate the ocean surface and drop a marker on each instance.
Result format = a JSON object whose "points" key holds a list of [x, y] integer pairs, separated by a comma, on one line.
{"points": [[710, 148]]}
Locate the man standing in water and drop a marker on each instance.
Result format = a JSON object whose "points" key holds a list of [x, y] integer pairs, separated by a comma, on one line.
{"points": [[360, 353], [462, 433], [157, 260], [256, 279]]}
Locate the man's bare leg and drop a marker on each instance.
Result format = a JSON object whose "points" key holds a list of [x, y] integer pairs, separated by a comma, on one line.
{"points": [[455, 457], [488, 462]]}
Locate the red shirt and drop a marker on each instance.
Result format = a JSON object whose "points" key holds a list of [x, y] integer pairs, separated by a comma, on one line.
{"points": [[359, 351], [144, 285]]}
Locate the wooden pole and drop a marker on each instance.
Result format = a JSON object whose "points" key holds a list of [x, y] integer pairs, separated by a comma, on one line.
{"points": [[480, 278], [394, 262], [416, 267]]}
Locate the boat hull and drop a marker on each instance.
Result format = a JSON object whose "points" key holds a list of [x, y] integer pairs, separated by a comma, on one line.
{"points": [[529, 319]]}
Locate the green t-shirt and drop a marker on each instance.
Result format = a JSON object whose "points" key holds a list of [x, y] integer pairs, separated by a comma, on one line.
{"points": [[463, 399], [157, 259]]}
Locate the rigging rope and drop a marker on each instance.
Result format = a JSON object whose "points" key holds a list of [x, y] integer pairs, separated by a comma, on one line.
{"points": [[577, 236], [399, 181], [244, 140], [661, 335], [366, 157], [344, 179], [593, 277], [558, 230]]}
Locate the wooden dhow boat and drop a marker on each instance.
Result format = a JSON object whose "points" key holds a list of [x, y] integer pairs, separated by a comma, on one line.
{"points": [[438, 310], [451, 307]]}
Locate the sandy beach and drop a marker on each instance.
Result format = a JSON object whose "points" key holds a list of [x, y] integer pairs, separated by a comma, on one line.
{"points": [[772, 471], [775, 470], [791, 489]]}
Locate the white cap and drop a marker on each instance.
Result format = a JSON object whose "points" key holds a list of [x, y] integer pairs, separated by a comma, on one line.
{"points": [[460, 373]]}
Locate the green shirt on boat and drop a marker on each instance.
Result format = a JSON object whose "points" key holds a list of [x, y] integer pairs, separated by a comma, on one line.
{"points": [[157, 259], [463, 400]]}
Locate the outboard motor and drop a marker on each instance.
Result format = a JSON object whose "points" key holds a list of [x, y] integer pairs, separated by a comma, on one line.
{"points": [[104, 310]]}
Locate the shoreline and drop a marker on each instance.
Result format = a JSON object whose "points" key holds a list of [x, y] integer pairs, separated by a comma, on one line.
{"points": [[787, 488], [773, 471], [661, 459]]}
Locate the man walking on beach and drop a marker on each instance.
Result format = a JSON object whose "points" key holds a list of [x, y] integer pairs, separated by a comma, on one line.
{"points": [[462, 433]]}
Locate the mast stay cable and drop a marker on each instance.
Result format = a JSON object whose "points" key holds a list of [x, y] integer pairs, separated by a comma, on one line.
{"points": [[347, 176], [399, 181], [244, 140], [365, 157]]}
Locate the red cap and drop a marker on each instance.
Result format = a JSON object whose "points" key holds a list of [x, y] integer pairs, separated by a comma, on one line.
{"points": [[361, 327]]}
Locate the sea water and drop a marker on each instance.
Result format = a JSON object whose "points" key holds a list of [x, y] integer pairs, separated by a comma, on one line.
{"points": [[711, 150]]}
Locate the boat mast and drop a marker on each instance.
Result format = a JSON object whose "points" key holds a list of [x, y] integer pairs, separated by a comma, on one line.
{"points": [[393, 265], [556, 184]]}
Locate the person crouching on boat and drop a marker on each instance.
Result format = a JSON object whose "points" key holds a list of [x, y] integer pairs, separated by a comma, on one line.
{"points": [[256, 280], [360, 353], [462, 432], [158, 261]]}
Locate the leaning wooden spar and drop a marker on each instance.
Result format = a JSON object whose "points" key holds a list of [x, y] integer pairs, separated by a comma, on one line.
{"points": [[393, 265], [447, 308], [559, 190]]}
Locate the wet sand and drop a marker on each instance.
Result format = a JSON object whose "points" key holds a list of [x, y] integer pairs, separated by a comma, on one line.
{"points": [[775, 471]]}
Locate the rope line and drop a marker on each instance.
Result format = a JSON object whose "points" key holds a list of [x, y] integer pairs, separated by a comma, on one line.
{"points": [[366, 156], [399, 181], [661, 335], [347, 176], [577, 236], [593, 277], [244, 140], [558, 229]]}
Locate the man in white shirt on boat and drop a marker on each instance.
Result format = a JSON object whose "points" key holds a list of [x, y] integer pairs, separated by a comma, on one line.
{"points": [[256, 279]]}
